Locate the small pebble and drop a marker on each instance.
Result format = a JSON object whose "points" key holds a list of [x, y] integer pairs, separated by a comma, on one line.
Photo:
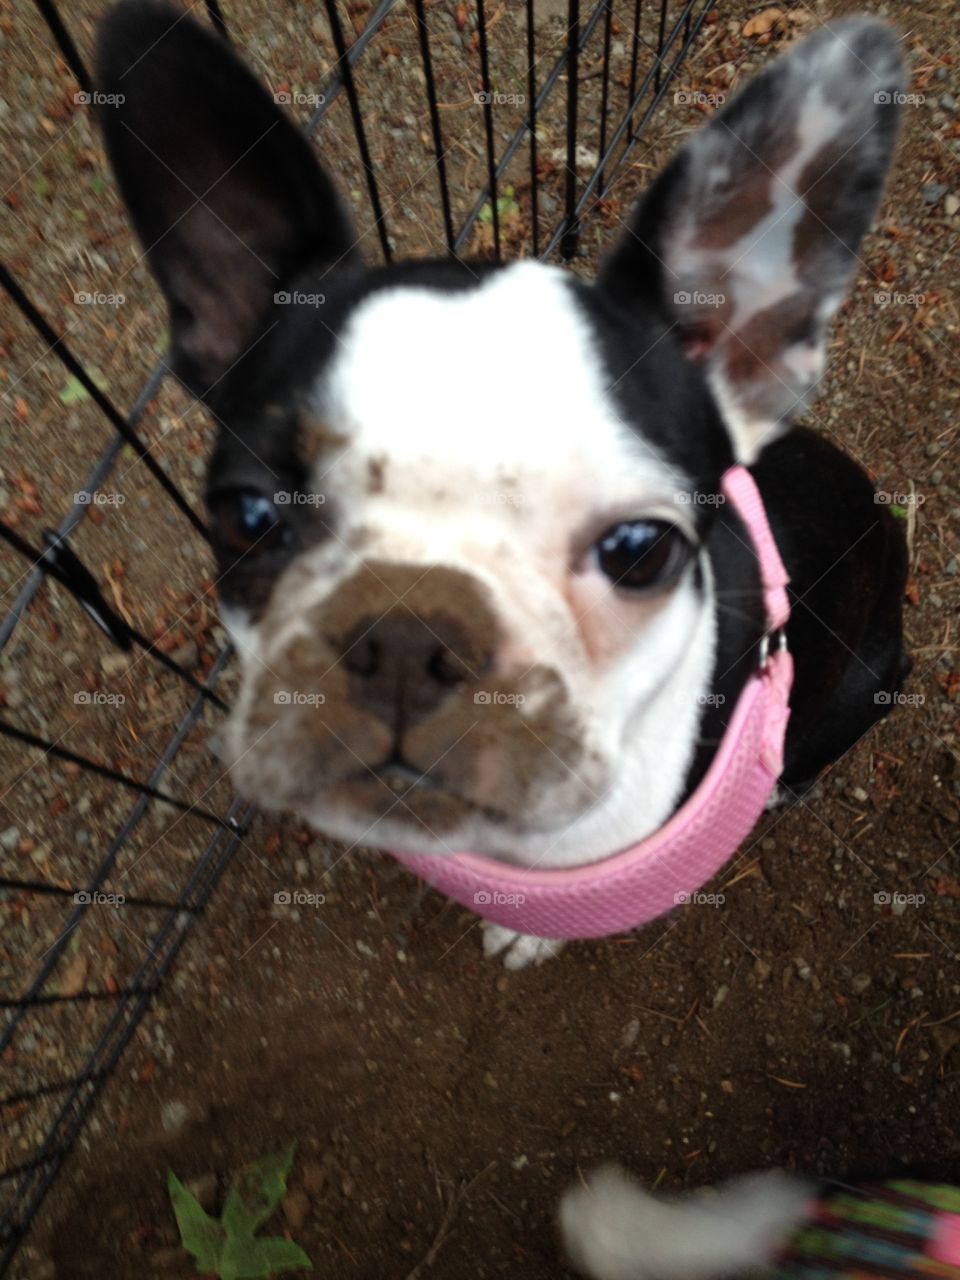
{"points": [[173, 1116], [934, 192]]}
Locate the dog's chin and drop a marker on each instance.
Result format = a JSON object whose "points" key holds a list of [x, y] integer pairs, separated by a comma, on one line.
{"points": [[421, 817], [414, 807]]}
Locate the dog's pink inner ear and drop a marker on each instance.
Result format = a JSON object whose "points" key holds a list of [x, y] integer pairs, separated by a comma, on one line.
{"points": [[750, 234]]}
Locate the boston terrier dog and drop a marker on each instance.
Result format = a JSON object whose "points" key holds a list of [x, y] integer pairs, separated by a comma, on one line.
{"points": [[474, 549]]}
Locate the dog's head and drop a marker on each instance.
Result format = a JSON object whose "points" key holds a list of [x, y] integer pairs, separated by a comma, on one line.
{"points": [[466, 516]]}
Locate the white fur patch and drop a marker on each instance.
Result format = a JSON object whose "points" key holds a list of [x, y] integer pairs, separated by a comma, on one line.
{"points": [[518, 950], [614, 1230]]}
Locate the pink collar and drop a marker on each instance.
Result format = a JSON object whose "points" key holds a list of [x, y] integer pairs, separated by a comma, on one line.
{"points": [[669, 866]]}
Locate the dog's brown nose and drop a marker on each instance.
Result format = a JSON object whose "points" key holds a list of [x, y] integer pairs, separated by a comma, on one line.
{"points": [[408, 638]]}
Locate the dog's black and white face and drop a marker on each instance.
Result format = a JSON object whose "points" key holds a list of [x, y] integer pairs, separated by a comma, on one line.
{"points": [[466, 516]]}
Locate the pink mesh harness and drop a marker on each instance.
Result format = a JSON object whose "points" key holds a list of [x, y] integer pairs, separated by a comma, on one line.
{"points": [[669, 866]]}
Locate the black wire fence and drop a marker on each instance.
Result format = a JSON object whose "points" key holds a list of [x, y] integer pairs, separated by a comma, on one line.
{"points": [[562, 108]]}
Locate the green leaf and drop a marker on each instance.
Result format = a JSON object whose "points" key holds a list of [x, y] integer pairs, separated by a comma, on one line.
{"points": [[200, 1235], [41, 187], [74, 392], [249, 1259], [898, 511], [256, 1191], [279, 1254], [98, 185], [505, 204]]}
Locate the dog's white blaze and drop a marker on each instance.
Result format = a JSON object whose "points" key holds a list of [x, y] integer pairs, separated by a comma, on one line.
{"points": [[481, 436]]}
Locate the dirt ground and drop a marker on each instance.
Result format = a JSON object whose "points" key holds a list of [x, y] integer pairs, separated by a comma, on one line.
{"points": [[441, 1104]]}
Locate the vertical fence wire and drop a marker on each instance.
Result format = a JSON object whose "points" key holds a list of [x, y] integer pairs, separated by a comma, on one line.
{"points": [[532, 127], [435, 129], [345, 68], [492, 174], [571, 230], [634, 58]]}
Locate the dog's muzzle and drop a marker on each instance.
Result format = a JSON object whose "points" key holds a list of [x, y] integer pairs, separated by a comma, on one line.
{"points": [[670, 866]]}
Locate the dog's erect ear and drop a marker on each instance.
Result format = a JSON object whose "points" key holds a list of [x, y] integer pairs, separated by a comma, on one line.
{"points": [[225, 194], [749, 237]]}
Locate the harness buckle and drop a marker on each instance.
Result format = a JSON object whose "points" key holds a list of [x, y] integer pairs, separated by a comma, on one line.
{"points": [[767, 643]]}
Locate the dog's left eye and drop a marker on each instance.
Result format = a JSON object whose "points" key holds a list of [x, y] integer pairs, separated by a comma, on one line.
{"points": [[247, 520], [642, 553]]}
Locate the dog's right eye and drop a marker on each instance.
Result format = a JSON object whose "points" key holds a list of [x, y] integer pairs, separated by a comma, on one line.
{"points": [[642, 553], [247, 520]]}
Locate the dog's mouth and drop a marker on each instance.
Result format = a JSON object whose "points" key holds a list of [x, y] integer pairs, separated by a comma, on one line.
{"points": [[399, 776], [410, 796]]}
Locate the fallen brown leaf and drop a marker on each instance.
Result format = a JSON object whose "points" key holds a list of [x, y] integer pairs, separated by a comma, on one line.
{"points": [[74, 976], [762, 24]]}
